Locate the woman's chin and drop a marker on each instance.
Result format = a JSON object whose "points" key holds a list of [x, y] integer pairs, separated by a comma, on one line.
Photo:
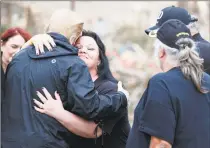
{"points": [[84, 59]]}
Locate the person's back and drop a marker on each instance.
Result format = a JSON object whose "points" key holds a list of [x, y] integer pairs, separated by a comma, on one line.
{"points": [[22, 126], [204, 52], [174, 109], [26, 74], [191, 109], [186, 112]]}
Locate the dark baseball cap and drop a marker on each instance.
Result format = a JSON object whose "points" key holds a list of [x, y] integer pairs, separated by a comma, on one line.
{"points": [[171, 31], [172, 12]]}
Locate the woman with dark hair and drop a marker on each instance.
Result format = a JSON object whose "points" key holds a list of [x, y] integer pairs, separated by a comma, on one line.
{"points": [[11, 41], [103, 68], [112, 132]]}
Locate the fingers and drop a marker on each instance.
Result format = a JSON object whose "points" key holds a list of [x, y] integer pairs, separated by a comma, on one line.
{"points": [[47, 94], [57, 96], [39, 104], [119, 85], [120, 88], [36, 49], [47, 44], [51, 41], [48, 41], [40, 46], [41, 40], [41, 97], [39, 110]]}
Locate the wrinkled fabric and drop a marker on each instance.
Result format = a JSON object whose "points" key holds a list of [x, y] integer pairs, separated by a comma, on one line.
{"points": [[205, 82], [203, 48], [171, 109], [115, 130], [60, 70]]}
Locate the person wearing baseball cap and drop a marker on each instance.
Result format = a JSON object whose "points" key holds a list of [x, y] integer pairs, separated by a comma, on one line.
{"points": [[174, 109], [171, 12], [183, 15]]}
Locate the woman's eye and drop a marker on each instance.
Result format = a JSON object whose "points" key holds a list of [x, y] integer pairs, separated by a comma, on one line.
{"points": [[91, 49], [14, 46]]}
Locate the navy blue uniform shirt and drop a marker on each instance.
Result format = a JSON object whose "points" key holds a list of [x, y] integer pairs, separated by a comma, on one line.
{"points": [[173, 110], [203, 50]]}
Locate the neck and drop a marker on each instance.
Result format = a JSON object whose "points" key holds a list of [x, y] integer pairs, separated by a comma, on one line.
{"points": [[4, 63], [168, 66], [93, 74]]}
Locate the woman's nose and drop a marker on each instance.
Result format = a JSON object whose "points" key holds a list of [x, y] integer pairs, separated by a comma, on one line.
{"points": [[83, 49]]}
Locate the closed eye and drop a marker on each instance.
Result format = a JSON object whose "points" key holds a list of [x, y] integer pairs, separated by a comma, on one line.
{"points": [[91, 49], [14, 46]]}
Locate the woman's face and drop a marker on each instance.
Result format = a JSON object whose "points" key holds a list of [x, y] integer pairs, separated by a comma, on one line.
{"points": [[11, 46], [88, 51]]}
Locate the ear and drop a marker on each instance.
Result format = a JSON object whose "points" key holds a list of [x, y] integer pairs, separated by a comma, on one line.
{"points": [[2, 44], [72, 40], [161, 53], [99, 62]]}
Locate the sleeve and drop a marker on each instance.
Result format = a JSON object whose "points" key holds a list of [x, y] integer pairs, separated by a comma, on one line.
{"points": [[108, 125], [85, 100], [107, 87], [158, 118]]}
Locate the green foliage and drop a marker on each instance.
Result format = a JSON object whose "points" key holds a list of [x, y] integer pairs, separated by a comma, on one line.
{"points": [[4, 27]]}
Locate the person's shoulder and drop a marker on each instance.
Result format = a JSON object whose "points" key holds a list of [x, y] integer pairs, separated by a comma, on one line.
{"points": [[21, 56], [160, 77], [204, 50], [23, 51], [157, 77], [173, 72], [77, 62], [108, 83], [205, 83], [71, 61], [105, 86], [166, 78], [203, 46]]}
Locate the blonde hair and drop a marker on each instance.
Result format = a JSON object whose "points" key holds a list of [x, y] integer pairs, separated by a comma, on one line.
{"points": [[67, 23], [187, 58]]}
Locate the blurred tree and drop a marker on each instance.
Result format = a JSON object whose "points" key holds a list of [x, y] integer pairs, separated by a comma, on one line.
{"points": [[6, 8], [183, 4], [72, 5], [194, 7], [134, 33], [3, 28], [30, 22]]}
